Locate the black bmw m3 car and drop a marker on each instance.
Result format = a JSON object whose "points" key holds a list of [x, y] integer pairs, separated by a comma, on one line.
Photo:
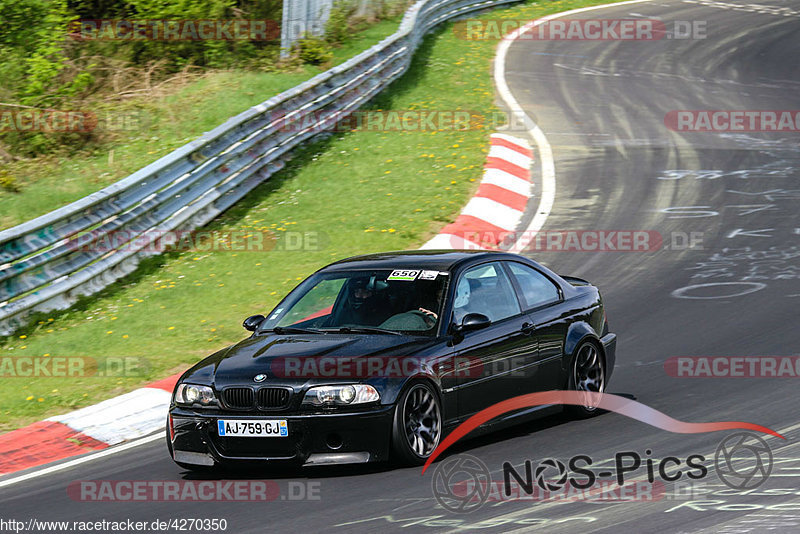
{"points": [[380, 356]]}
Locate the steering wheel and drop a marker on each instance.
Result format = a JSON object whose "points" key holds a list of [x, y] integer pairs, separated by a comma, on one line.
{"points": [[429, 319]]}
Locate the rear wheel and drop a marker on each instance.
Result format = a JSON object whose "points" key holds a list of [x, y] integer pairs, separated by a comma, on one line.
{"points": [[587, 374], [417, 426]]}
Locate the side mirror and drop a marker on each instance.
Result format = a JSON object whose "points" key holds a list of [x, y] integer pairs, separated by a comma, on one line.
{"points": [[252, 322], [473, 321]]}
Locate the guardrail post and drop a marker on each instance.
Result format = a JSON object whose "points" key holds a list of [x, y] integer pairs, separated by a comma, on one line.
{"points": [[301, 17]]}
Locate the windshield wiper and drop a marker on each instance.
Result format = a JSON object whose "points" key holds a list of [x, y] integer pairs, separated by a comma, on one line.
{"points": [[367, 330], [295, 330]]}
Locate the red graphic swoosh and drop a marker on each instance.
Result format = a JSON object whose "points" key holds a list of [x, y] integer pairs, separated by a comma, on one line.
{"points": [[605, 401]]}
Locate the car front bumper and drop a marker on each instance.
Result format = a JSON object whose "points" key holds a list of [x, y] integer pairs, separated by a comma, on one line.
{"points": [[313, 439]]}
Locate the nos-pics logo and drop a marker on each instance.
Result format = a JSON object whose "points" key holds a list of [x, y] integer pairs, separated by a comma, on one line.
{"points": [[463, 483]]}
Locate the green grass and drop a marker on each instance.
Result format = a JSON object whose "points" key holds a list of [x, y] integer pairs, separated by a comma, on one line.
{"points": [[159, 126], [362, 191]]}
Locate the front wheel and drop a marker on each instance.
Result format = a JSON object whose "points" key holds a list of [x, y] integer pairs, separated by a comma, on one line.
{"points": [[587, 374], [417, 426]]}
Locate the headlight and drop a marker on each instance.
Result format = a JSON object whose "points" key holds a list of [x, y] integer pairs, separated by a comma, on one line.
{"points": [[341, 395], [188, 394]]}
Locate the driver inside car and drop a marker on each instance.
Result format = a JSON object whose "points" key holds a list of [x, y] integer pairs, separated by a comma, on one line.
{"points": [[366, 306], [420, 318]]}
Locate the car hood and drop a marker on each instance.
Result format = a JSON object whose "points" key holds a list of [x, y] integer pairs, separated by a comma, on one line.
{"points": [[284, 358]]}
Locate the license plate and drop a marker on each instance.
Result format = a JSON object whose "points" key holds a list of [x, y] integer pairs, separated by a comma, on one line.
{"points": [[255, 428]]}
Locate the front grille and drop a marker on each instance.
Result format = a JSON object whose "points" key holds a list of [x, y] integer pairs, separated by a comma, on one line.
{"points": [[273, 398], [240, 398]]}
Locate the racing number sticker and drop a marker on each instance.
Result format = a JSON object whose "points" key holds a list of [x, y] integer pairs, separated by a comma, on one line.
{"points": [[403, 274]]}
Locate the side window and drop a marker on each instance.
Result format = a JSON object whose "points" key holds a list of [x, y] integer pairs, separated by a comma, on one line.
{"points": [[485, 289], [537, 289]]}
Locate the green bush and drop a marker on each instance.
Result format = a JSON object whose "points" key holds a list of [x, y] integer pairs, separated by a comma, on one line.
{"points": [[314, 50], [8, 182], [56, 65], [45, 64], [337, 29]]}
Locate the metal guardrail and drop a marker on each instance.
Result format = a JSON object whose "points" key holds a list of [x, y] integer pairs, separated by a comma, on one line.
{"points": [[41, 269]]}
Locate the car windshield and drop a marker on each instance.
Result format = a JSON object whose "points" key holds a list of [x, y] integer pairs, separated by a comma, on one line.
{"points": [[392, 300]]}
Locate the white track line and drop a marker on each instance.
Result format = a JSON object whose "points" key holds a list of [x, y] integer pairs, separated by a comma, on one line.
{"points": [[545, 150], [81, 460]]}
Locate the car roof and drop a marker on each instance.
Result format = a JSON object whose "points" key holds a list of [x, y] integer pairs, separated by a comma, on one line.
{"points": [[440, 260]]}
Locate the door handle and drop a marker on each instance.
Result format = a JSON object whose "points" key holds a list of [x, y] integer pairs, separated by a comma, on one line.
{"points": [[527, 328]]}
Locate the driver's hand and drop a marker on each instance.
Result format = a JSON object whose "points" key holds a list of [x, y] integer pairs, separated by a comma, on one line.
{"points": [[429, 313]]}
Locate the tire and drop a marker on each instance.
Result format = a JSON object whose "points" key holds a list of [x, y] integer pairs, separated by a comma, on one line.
{"points": [[587, 372], [417, 425]]}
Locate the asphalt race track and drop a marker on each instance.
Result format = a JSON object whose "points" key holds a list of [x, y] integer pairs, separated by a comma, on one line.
{"points": [[602, 105]]}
